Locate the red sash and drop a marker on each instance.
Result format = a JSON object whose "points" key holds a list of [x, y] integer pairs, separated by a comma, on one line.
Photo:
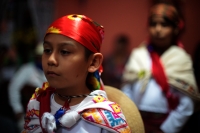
{"points": [[44, 99], [160, 77]]}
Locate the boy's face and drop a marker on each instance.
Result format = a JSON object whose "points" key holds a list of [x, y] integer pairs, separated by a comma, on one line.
{"points": [[161, 32], [64, 62]]}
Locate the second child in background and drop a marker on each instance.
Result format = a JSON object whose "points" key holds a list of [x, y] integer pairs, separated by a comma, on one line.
{"points": [[159, 76]]}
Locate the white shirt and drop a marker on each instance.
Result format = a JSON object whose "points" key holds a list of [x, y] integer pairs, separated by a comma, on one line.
{"points": [[158, 103], [28, 74]]}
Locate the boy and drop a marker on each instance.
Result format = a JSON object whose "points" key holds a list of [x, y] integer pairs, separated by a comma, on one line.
{"points": [[73, 99]]}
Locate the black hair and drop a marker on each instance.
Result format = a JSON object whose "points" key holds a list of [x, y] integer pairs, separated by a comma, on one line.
{"points": [[88, 53]]}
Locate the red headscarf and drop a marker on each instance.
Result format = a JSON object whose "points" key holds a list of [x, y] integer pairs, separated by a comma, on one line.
{"points": [[80, 28], [167, 11], [84, 30]]}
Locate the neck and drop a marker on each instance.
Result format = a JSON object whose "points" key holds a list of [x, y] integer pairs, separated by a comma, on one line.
{"points": [[160, 50], [72, 99]]}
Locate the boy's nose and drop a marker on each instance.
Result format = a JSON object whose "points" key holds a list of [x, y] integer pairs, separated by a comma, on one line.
{"points": [[158, 27], [52, 60]]}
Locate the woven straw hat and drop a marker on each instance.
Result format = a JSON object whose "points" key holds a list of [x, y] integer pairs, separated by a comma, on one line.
{"points": [[128, 107]]}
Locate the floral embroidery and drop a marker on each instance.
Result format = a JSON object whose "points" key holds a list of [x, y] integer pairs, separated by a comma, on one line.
{"points": [[32, 112], [53, 30], [40, 90], [116, 108], [107, 119], [98, 99], [92, 115]]}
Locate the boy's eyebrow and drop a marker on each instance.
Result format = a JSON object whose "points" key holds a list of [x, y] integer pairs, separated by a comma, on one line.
{"points": [[46, 42], [69, 43]]}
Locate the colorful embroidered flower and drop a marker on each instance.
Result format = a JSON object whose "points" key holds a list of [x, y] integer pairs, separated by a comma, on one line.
{"points": [[53, 30], [40, 90], [116, 108], [32, 112], [98, 99], [141, 74]]}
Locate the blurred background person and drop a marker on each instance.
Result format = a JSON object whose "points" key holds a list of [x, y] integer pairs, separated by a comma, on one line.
{"points": [[113, 64], [22, 24], [159, 76], [7, 121], [22, 85]]}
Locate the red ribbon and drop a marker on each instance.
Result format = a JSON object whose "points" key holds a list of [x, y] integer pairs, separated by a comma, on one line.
{"points": [[44, 99], [160, 77]]}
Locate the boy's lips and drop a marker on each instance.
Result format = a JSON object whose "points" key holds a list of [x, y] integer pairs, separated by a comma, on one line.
{"points": [[52, 73]]}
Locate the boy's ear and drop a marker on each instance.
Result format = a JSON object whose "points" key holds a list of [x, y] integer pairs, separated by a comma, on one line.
{"points": [[95, 63]]}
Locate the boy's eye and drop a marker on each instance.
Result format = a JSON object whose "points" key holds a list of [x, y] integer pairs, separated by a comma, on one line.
{"points": [[47, 51], [165, 24], [64, 52]]}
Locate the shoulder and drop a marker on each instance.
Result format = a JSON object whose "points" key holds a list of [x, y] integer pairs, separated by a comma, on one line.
{"points": [[140, 48], [139, 52], [177, 52], [34, 102], [109, 117], [110, 120]]}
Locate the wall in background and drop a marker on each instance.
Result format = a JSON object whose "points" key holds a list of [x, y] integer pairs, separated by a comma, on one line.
{"points": [[130, 17]]}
